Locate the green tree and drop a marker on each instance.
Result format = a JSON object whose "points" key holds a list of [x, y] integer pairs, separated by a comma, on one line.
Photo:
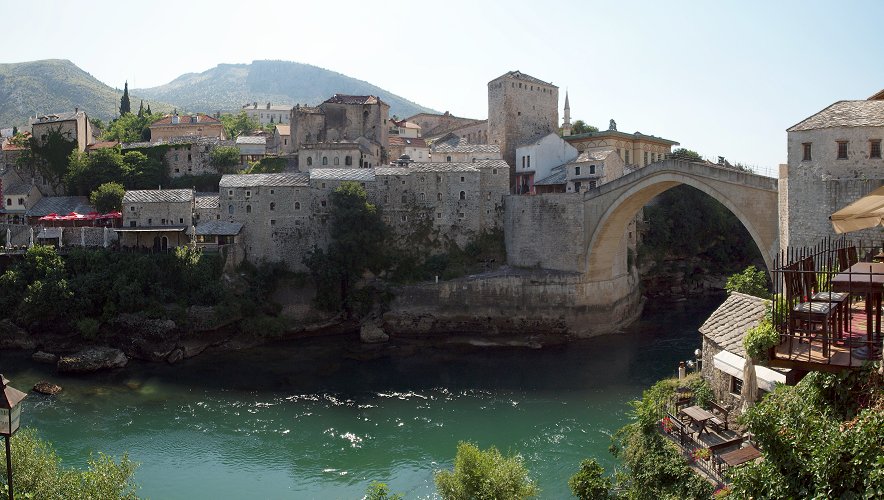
{"points": [[141, 109], [130, 127], [380, 491], [356, 245], [108, 197], [686, 154], [239, 124], [484, 475], [581, 127], [49, 156], [125, 107], [590, 482], [39, 473], [36, 288], [751, 281], [225, 159], [149, 112]]}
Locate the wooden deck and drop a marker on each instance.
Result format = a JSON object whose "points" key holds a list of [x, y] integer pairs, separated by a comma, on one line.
{"points": [[845, 353]]}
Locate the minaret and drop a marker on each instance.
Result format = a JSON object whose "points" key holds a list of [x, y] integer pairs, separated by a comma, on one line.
{"points": [[566, 126]]}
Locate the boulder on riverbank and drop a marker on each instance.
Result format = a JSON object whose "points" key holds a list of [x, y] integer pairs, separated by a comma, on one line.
{"points": [[44, 357], [372, 333], [92, 359], [47, 388]]}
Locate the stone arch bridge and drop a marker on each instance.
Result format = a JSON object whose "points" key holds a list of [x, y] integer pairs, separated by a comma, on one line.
{"points": [[575, 246]]}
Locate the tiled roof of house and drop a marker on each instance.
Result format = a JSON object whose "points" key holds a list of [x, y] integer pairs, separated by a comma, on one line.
{"points": [[352, 99], [391, 171], [342, 174], [8, 146], [185, 120], [18, 188], [518, 75], [101, 145], [250, 139], [587, 156], [557, 176], [60, 205], [273, 107], [415, 142], [158, 196], [218, 228], [443, 167], [206, 201], [729, 323], [284, 129], [57, 117], [463, 147], [845, 114], [256, 180]]}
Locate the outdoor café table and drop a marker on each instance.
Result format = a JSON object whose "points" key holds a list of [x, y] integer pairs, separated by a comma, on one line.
{"points": [[741, 456], [866, 278], [698, 415]]}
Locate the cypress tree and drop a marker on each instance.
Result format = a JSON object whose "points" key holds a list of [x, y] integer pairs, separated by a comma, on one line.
{"points": [[124, 101], [141, 109], [148, 109]]}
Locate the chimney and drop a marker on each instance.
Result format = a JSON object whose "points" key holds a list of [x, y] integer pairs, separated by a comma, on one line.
{"points": [[255, 105], [76, 110], [268, 105]]}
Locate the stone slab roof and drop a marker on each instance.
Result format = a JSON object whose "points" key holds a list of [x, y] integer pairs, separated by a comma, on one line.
{"points": [[17, 189], [60, 205], [443, 167], [158, 196], [463, 147], [273, 107], [218, 228], [352, 99], [588, 156], [518, 75], [729, 323], [415, 142], [557, 176], [206, 201], [251, 139], [845, 114], [270, 180], [391, 171], [57, 117], [343, 174]]}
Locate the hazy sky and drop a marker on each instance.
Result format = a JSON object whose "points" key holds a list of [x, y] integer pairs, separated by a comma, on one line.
{"points": [[722, 78]]}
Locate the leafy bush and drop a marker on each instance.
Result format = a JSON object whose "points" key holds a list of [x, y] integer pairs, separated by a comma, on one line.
{"points": [[87, 327], [484, 474], [39, 473], [751, 282], [590, 482], [759, 339], [108, 197], [380, 491]]}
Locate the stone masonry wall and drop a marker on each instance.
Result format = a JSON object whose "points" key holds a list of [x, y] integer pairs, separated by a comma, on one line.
{"points": [[545, 231]]}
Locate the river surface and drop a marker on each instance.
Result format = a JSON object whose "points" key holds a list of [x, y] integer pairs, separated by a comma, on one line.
{"points": [[307, 420]]}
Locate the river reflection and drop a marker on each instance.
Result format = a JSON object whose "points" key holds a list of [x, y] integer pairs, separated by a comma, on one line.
{"points": [[316, 420]]}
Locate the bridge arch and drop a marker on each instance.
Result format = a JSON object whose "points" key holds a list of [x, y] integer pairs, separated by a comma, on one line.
{"points": [[751, 198]]}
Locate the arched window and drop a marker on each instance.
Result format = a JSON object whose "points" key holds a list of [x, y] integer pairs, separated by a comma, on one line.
{"points": [[230, 209], [297, 205], [463, 195], [309, 161], [272, 206], [248, 209], [337, 161], [439, 196], [325, 160], [404, 198], [348, 160]]}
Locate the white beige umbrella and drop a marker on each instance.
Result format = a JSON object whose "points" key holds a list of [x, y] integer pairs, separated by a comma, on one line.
{"points": [[83, 237], [8, 238], [31, 237], [105, 237], [60, 237], [863, 213], [749, 393]]}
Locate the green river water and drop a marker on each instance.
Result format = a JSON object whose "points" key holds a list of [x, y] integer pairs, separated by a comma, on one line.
{"points": [[307, 420]]}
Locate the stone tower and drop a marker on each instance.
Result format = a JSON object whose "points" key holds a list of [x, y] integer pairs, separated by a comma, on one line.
{"points": [[566, 125], [521, 108]]}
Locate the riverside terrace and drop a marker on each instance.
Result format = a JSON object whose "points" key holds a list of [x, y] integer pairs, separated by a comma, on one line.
{"points": [[828, 311]]}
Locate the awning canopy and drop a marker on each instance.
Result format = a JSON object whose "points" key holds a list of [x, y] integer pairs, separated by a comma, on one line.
{"points": [[733, 365], [863, 213]]}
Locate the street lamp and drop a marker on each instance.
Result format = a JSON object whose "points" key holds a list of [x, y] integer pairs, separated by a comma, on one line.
{"points": [[10, 418], [698, 354]]}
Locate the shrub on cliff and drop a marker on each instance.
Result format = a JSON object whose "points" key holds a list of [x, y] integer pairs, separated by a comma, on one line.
{"points": [[751, 282]]}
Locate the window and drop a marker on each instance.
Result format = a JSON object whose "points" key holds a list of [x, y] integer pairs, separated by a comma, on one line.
{"points": [[439, 196], [229, 192], [163, 222], [348, 160], [131, 209], [736, 385], [523, 162], [463, 195], [438, 215], [248, 209], [272, 206], [230, 209], [323, 185], [188, 157], [438, 178], [297, 205], [322, 203], [576, 187], [460, 215], [272, 192], [462, 179], [337, 161], [176, 170], [806, 147], [577, 170], [404, 198], [493, 171], [626, 158], [592, 169], [309, 161], [8, 202], [489, 196], [646, 158], [421, 197], [842, 150], [149, 221], [272, 222], [529, 161], [448, 159], [132, 223], [325, 160], [875, 148], [21, 201], [404, 218]]}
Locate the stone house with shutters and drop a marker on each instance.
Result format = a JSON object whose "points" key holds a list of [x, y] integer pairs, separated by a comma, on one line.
{"points": [[184, 155], [591, 169], [452, 148], [345, 119], [268, 113], [834, 158], [636, 150], [414, 147], [723, 355], [18, 196], [278, 143], [160, 219], [74, 126]]}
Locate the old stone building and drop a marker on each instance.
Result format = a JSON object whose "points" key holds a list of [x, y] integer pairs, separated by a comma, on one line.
{"points": [[536, 159], [278, 143], [414, 147], [521, 108], [834, 158], [75, 126], [251, 148], [268, 113], [723, 354], [160, 219], [343, 118], [636, 150], [454, 148], [183, 155], [361, 153], [591, 169], [435, 125], [18, 195], [175, 126]]}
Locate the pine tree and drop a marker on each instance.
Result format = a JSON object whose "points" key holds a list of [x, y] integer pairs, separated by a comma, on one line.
{"points": [[148, 109], [141, 109], [124, 101]]}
